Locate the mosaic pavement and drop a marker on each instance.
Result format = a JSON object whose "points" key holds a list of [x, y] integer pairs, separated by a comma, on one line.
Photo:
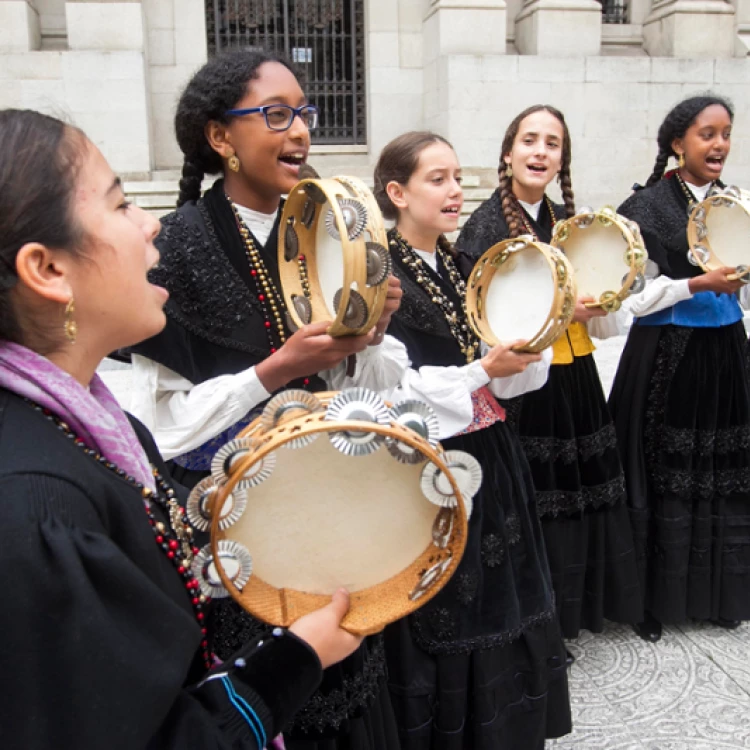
{"points": [[690, 691]]}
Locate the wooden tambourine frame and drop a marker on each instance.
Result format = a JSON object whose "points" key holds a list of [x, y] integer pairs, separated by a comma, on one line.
{"points": [[302, 219], [499, 259], [706, 241], [585, 226], [371, 608]]}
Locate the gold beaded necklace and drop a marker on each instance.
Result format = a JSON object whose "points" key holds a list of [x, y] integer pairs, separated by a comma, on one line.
{"points": [[524, 220], [457, 320]]}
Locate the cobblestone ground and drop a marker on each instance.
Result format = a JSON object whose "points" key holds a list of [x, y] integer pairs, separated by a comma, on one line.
{"points": [[690, 691]]}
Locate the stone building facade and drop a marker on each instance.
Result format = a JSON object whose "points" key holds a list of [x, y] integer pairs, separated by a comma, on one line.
{"points": [[461, 67]]}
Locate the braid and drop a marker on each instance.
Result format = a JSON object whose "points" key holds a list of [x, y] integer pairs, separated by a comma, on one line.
{"points": [[660, 166], [190, 184], [566, 185], [511, 209], [676, 124], [447, 246]]}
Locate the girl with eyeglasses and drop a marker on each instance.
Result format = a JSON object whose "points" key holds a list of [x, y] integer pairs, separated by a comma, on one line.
{"points": [[227, 346]]}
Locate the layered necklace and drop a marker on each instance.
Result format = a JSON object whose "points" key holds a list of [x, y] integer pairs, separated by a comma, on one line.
{"points": [[174, 538], [524, 220], [456, 319], [274, 308], [692, 201]]}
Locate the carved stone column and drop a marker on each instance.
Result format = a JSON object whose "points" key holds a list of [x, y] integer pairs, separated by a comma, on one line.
{"points": [[19, 26], [559, 28], [464, 27], [690, 28]]}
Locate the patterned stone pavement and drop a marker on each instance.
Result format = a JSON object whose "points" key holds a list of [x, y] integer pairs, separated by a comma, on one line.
{"points": [[690, 691]]}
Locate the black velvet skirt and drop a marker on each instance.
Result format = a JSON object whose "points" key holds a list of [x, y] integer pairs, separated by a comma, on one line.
{"points": [[482, 665], [570, 442], [681, 405]]}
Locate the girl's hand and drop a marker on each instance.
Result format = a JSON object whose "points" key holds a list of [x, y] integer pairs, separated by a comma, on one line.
{"points": [[716, 281], [584, 314], [392, 303], [502, 361]]}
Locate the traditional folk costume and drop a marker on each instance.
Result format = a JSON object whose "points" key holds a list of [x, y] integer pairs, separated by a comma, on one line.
{"points": [[481, 665], [681, 405], [196, 387], [569, 440], [103, 631]]}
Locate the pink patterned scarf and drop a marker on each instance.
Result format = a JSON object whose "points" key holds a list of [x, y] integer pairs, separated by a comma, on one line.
{"points": [[92, 414]]}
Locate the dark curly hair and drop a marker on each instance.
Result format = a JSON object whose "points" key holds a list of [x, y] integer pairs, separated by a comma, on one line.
{"points": [[217, 87], [509, 202], [676, 124], [39, 161]]}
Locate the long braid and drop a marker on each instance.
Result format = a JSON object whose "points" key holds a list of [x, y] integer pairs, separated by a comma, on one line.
{"points": [[510, 207], [447, 246], [676, 124], [190, 184], [566, 186]]}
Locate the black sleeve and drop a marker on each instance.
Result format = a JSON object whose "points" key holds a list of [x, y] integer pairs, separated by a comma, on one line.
{"points": [[95, 654]]}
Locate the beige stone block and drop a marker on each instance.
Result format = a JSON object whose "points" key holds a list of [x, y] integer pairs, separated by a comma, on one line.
{"points": [[473, 95], [410, 15], [573, 100], [10, 93], [621, 97], [111, 66], [534, 68], [390, 116], [617, 124], [116, 96], [500, 67], [31, 66], [676, 70], [454, 29], [559, 28], [104, 26], [122, 137], [477, 152], [170, 80], [191, 45], [617, 69], [410, 50], [383, 49], [19, 27], [45, 96], [732, 70], [160, 14], [395, 80], [161, 47], [464, 67], [661, 98], [690, 29], [382, 15], [167, 154]]}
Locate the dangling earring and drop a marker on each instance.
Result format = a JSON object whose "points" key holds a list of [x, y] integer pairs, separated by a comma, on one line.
{"points": [[70, 326], [681, 160], [234, 163], [509, 171]]}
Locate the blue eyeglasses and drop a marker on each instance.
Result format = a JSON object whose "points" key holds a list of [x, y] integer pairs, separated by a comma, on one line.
{"points": [[281, 116]]}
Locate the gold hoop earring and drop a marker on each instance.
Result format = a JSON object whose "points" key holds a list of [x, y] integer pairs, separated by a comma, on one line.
{"points": [[681, 160], [70, 326], [509, 171], [234, 163]]}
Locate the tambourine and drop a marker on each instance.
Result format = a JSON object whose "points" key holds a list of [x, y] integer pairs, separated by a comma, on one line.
{"points": [[333, 255], [607, 253], [331, 490], [719, 232], [521, 289]]}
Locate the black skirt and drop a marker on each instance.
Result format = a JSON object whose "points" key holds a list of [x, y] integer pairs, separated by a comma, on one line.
{"points": [[570, 442], [482, 665], [681, 404]]}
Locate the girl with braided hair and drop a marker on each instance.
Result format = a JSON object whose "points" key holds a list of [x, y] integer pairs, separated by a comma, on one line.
{"points": [[680, 400], [227, 346], [565, 427], [482, 665]]}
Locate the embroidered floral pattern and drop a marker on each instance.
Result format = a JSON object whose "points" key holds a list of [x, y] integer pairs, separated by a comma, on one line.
{"points": [[466, 587], [513, 528], [559, 502], [493, 550]]}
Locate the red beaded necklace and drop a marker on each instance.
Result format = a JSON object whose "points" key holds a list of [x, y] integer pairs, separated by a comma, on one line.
{"points": [[174, 538]]}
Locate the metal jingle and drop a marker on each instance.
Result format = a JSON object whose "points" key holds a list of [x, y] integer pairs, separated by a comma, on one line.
{"points": [[732, 191], [500, 258], [303, 308], [520, 244], [291, 241], [743, 273], [290, 322], [584, 222], [198, 506], [355, 218], [713, 191], [308, 213], [359, 404], [701, 231], [291, 404], [699, 214], [585, 211], [234, 451], [639, 284], [429, 578], [315, 192], [235, 561], [466, 472], [717, 201], [378, 263], [633, 228], [418, 417], [356, 312], [698, 256], [610, 301]]}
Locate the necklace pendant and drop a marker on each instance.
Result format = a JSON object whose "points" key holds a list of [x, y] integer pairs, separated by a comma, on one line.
{"points": [[470, 355]]}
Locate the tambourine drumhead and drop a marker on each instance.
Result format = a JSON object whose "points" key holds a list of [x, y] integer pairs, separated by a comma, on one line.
{"points": [[333, 257], [340, 509], [521, 289], [721, 225], [606, 252], [508, 316]]}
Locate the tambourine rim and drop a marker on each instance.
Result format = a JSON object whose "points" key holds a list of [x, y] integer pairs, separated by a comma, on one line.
{"points": [[316, 424]]}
